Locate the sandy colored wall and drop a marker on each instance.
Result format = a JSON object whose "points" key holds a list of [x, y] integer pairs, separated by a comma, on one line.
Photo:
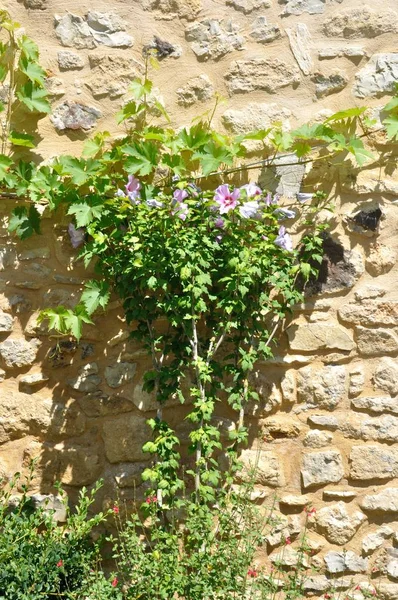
{"points": [[326, 428]]}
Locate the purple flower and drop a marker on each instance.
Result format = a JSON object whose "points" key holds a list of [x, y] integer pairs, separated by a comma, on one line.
{"points": [[154, 203], [119, 193], [133, 189], [252, 190], [284, 213], [249, 209], [283, 240], [219, 222], [180, 195], [269, 199], [181, 210], [226, 199], [302, 197], [77, 236]]}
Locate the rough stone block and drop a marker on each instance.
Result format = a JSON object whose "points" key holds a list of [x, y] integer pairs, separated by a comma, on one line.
{"points": [[124, 437], [315, 336], [17, 353], [264, 466], [267, 74], [324, 387], [337, 524], [376, 342], [322, 467], [373, 462], [384, 501]]}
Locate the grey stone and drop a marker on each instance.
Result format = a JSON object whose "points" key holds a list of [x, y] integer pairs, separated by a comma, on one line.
{"points": [[295, 501], [373, 462], [98, 404], [87, 380], [254, 116], [267, 74], [129, 475], [386, 376], [381, 429], [197, 89], [315, 336], [6, 322], [72, 30], [339, 494], [301, 45], [380, 259], [70, 61], [356, 380], [378, 77], [289, 557], [119, 374], [338, 562], [213, 39], [35, 253], [384, 501], [284, 177], [376, 342], [264, 32], [322, 467], [329, 84], [376, 404], [72, 115], [288, 386], [52, 505], [369, 313], [324, 387], [325, 421], [247, 6], [369, 291], [8, 257], [337, 524], [353, 52], [19, 353], [360, 22], [124, 437], [317, 439], [375, 540], [298, 7], [339, 271], [316, 583]]}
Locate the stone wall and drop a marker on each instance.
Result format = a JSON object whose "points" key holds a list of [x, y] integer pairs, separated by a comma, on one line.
{"points": [[325, 430]]}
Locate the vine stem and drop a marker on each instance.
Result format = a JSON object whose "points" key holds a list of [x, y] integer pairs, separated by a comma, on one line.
{"points": [[10, 99], [198, 454]]}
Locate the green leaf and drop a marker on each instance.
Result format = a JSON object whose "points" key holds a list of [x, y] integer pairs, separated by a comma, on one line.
{"points": [[391, 125], [196, 137], [32, 70], [143, 158], [79, 170], [21, 139], [5, 164], [212, 156], [35, 98], [28, 47], [95, 294], [260, 134], [392, 105], [139, 89], [24, 222], [356, 147], [74, 321], [85, 213], [350, 113]]}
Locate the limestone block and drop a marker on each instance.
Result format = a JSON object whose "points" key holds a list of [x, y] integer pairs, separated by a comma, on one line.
{"points": [[377, 404], [288, 386], [87, 379], [321, 468], [263, 466], [96, 28], [369, 291], [72, 115], [33, 379], [98, 404], [295, 501], [301, 45], [324, 387], [381, 259], [381, 429], [378, 77], [338, 562], [316, 583], [169, 10], [360, 22], [111, 74], [247, 6], [298, 7], [264, 32], [268, 74], [317, 439], [325, 421], [119, 374], [289, 557], [212, 39], [373, 462], [356, 380], [337, 524], [18, 353], [384, 501], [35, 253], [124, 437], [388, 591], [55, 87], [78, 464], [372, 312], [317, 336], [73, 30], [6, 322], [281, 426], [386, 376], [375, 540], [376, 342], [69, 61], [329, 84], [269, 399], [196, 89], [334, 494]]}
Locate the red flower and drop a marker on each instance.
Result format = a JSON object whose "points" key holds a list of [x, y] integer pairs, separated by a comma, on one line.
{"points": [[252, 573], [116, 510], [357, 587], [60, 563], [115, 582], [288, 541], [151, 499], [327, 596], [310, 511]]}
